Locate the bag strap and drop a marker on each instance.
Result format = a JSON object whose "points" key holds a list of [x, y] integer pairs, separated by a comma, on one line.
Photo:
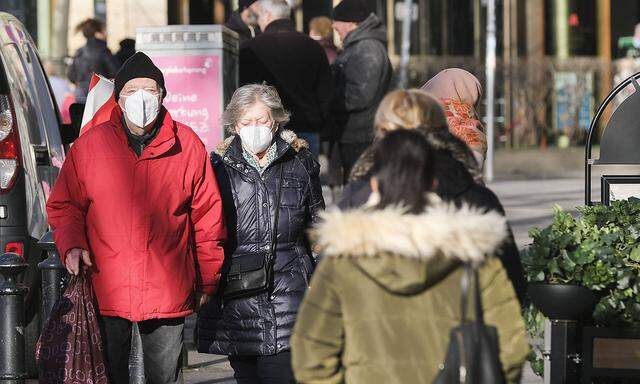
{"points": [[276, 217], [478, 304], [471, 273], [464, 295]]}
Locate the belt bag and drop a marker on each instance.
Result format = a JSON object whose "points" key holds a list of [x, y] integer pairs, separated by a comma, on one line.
{"points": [[252, 273]]}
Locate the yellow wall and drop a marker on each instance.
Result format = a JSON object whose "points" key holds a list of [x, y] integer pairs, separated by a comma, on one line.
{"points": [[123, 17]]}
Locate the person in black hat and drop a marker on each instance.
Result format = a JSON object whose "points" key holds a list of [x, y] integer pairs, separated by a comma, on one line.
{"points": [[137, 206], [244, 21], [363, 75]]}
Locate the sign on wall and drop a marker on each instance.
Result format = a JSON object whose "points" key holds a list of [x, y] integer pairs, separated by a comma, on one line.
{"points": [[193, 96]]}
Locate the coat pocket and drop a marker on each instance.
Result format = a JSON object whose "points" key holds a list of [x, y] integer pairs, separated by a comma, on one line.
{"points": [[291, 192]]}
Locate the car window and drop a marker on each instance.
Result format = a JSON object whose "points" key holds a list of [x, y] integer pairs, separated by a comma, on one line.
{"points": [[23, 90], [47, 108]]}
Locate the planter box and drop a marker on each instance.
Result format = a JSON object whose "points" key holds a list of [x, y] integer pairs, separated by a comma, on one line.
{"points": [[610, 352]]}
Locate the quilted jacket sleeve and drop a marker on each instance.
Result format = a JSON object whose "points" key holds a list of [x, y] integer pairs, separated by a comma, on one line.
{"points": [[208, 226], [317, 340], [67, 208]]}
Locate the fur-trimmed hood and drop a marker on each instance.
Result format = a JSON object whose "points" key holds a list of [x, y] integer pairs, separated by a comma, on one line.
{"points": [[407, 253], [288, 136]]}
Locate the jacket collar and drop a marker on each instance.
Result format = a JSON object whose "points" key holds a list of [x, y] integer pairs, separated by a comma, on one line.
{"points": [[280, 25], [465, 234], [164, 140]]}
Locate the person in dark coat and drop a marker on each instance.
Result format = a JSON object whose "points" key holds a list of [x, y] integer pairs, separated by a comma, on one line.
{"points": [[295, 65], [362, 73], [415, 109], [244, 21], [127, 49], [254, 331], [93, 57]]}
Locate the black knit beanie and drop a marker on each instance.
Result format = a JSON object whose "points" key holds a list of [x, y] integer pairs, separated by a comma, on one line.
{"points": [[138, 65], [244, 4], [355, 11]]}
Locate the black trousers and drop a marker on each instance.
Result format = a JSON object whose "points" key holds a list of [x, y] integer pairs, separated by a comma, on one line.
{"points": [[162, 341], [275, 369], [349, 154]]}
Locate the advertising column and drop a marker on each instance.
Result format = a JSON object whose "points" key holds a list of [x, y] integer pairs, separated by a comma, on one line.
{"points": [[199, 64]]}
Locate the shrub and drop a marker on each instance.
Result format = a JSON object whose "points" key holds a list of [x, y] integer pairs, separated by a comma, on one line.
{"points": [[600, 250]]}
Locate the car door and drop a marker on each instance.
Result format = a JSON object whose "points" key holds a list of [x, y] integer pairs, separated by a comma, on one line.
{"points": [[51, 156], [32, 135]]}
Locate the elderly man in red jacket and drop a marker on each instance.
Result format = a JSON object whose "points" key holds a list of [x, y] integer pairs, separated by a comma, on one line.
{"points": [[138, 206]]}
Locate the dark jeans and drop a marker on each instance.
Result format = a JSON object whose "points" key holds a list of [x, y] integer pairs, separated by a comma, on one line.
{"points": [[275, 369], [162, 341], [349, 154], [313, 138]]}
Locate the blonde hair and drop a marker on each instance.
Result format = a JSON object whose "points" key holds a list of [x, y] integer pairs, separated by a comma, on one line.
{"points": [[410, 109], [322, 26]]}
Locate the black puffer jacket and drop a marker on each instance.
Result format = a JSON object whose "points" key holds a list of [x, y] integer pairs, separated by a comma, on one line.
{"points": [[262, 324], [92, 57], [454, 184], [363, 74]]}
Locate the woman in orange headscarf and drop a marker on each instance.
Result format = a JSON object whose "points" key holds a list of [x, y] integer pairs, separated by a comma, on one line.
{"points": [[459, 92]]}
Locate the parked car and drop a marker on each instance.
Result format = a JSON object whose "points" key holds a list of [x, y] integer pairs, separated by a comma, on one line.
{"points": [[31, 154]]}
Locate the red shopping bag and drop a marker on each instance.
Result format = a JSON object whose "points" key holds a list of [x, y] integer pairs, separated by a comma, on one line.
{"points": [[70, 348]]}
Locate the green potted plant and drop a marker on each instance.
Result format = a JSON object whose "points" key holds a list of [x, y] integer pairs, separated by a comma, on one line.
{"points": [[598, 250]]}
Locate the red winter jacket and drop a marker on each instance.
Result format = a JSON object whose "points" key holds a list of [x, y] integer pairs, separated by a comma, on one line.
{"points": [[153, 224]]}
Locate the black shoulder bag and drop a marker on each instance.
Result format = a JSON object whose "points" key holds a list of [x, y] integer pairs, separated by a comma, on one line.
{"points": [[252, 273], [473, 355]]}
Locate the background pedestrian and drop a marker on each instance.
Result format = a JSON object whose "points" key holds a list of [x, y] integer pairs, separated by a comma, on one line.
{"points": [[244, 21], [295, 65], [93, 57], [127, 49], [362, 73], [321, 31], [459, 93], [417, 110]]}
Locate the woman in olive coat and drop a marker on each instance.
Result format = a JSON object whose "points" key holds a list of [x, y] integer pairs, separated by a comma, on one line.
{"points": [[387, 290]]}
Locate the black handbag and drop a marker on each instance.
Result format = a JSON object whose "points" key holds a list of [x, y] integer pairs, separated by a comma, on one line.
{"points": [[252, 273], [473, 355]]}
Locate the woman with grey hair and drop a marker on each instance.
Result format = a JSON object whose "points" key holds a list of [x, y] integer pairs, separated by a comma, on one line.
{"points": [[271, 194]]}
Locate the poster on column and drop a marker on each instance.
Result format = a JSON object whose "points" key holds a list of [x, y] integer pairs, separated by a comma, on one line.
{"points": [[193, 94]]}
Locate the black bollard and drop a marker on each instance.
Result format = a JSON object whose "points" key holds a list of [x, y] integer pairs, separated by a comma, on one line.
{"points": [[53, 275], [12, 367]]}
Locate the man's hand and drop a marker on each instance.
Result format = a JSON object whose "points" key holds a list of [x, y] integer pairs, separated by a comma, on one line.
{"points": [[201, 299], [72, 261]]}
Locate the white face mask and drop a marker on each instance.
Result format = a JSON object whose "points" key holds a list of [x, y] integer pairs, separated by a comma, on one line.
{"points": [[141, 108], [256, 138]]}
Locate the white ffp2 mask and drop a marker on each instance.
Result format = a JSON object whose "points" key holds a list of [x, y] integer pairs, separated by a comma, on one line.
{"points": [[141, 107], [256, 138]]}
